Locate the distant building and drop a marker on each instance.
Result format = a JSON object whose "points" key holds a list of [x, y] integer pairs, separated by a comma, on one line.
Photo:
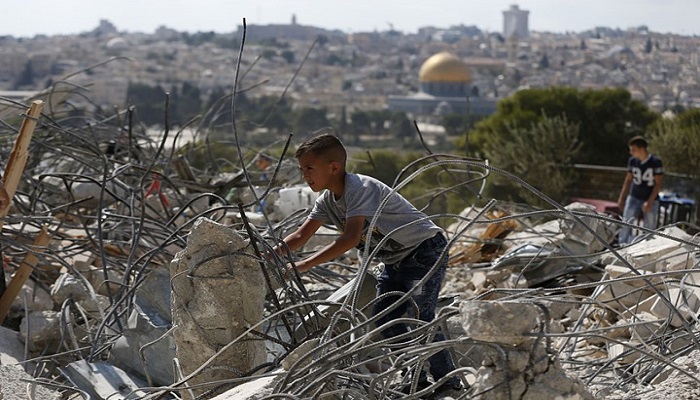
{"points": [[445, 85], [515, 23], [104, 28], [287, 31]]}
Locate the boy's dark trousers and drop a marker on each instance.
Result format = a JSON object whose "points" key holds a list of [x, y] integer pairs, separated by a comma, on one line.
{"points": [[403, 276]]}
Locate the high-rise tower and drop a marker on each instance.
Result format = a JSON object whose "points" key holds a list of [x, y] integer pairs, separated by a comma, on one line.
{"points": [[515, 22]]}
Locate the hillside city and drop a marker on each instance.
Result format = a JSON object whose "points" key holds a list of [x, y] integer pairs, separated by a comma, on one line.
{"points": [[356, 71], [144, 267]]}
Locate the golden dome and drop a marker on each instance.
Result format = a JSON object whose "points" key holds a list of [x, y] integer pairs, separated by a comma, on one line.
{"points": [[444, 67]]}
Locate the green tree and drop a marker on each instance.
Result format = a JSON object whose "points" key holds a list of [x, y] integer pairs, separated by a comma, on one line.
{"points": [[149, 102], [455, 124], [269, 112], [321, 40], [335, 59], [198, 38], [677, 142], [187, 104], [383, 165], [402, 127], [648, 46], [308, 120], [288, 56], [217, 108], [268, 54], [437, 190], [379, 119], [541, 154], [609, 119], [26, 78], [606, 118], [360, 122]]}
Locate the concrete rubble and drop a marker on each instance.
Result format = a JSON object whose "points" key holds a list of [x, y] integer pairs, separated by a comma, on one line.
{"points": [[174, 293], [217, 295]]}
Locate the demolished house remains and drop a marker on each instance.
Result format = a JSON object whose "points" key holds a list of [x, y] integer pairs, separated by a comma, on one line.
{"points": [[130, 276]]}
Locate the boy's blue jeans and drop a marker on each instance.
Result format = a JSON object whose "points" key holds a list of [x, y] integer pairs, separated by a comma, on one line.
{"points": [[403, 276], [633, 207]]}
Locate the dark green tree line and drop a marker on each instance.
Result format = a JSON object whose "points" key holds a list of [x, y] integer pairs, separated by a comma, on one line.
{"points": [[606, 118], [677, 142]]}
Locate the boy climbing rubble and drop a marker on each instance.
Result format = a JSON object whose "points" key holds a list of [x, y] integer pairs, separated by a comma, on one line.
{"points": [[413, 253]]}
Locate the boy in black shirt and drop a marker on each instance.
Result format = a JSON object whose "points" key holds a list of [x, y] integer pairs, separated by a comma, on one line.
{"points": [[640, 191]]}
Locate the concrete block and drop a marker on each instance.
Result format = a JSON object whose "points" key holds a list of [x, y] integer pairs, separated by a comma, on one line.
{"points": [[679, 341], [644, 326], [620, 295], [11, 348], [645, 253], [643, 306], [684, 300], [693, 278], [623, 353], [679, 259], [621, 271], [503, 322]]}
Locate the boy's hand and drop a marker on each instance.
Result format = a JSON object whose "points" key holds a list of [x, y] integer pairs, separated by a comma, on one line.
{"points": [[288, 271], [301, 266]]}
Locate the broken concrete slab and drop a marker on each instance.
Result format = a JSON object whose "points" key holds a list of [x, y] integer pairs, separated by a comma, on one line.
{"points": [[645, 253], [685, 301], [365, 295], [620, 295], [218, 293], [684, 257], [538, 264], [11, 348], [32, 297], [40, 329], [522, 368], [69, 286], [104, 381], [511, 323], [254, 390], [147, 346], [585, 234]]}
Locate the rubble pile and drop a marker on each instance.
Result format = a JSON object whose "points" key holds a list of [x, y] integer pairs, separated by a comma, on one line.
{"points": [[616, 317], [524, 367], [144, 281]]}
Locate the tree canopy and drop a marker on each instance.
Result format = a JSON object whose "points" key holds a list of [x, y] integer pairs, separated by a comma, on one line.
{"points": [[677, 142], [554, 143], [606, 119]]}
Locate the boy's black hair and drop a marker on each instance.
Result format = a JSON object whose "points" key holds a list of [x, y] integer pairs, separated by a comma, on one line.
{"points": [[326, 145], [638, 141]]}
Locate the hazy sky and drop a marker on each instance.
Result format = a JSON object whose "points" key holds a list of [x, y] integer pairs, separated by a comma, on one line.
{"points": [[28, 18]]}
